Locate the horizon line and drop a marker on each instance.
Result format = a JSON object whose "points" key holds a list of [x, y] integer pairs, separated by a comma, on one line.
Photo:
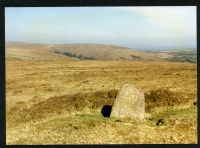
{"points": [[122, 46]]}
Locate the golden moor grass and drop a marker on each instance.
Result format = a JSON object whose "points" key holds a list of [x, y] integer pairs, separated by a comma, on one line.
{"points": [[162, 98], [59, 102], [79, 101], [94, 129]]}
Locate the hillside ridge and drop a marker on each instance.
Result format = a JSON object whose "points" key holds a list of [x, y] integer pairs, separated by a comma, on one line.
{"points": [[88, 51]]}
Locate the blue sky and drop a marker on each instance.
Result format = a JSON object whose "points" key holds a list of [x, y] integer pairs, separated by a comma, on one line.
{"points": [[135, 27]]}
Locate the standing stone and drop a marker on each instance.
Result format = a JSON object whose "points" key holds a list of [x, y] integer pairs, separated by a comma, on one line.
{"points": [[130, 102]]}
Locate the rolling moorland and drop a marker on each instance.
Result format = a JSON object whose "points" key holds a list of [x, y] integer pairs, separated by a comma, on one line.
{"points": [[54, 94], [18, 50]]}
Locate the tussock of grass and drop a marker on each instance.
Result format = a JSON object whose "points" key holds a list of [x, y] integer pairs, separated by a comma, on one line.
{"points": [[163, 97], [77, 102], [94, 129], [59, 104], [176, 114]]}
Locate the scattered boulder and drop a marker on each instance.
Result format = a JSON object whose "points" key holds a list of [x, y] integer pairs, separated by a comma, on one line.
{"points": [[130, 102]]}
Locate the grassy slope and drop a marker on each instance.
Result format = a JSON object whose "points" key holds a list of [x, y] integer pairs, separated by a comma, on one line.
{"points": [[56, 102], [85, 128], [16, 50], [104, 52]]}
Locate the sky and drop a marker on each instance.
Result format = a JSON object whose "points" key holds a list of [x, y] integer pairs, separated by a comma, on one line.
{"points": [[145, 28]]}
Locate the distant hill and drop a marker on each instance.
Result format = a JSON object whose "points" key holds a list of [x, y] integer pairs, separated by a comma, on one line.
{"points": [[30, 51], [178, 55], [102, 52], [18, 50]]}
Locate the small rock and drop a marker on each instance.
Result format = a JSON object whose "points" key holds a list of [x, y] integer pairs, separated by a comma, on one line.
{"points": [[195, 103], [160, 122]]}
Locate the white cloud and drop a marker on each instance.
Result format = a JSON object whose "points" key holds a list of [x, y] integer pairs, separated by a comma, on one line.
{"points": [[179, 19]]}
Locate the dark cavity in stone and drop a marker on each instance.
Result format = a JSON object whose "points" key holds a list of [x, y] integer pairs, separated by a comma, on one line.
{"points": [[106, 110]]}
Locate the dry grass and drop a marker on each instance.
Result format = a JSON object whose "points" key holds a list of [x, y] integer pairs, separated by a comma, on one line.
{"points": [[59, 102], [94, 129], [22, 112], [162, 98]]}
